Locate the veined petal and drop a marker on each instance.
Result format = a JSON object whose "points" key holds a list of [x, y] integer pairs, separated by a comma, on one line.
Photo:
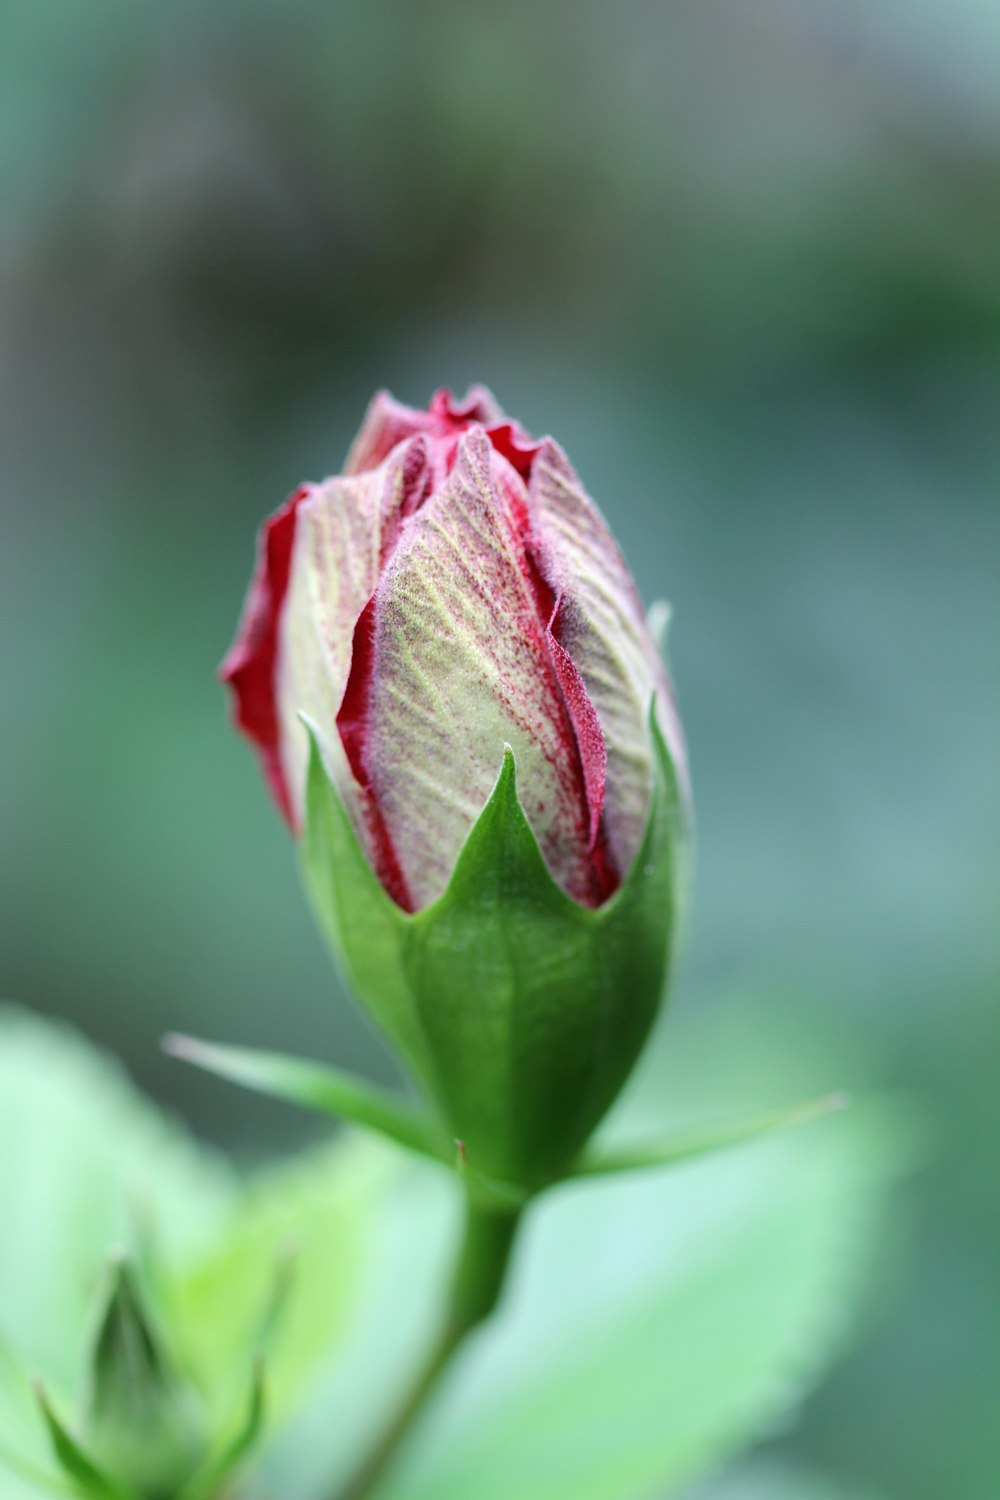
{"points": [[601, 626], [347, 528], [461, 666], [548, 649]]}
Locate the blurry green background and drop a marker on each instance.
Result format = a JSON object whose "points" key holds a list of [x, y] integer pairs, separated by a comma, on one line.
{"points": [[744, 261]]}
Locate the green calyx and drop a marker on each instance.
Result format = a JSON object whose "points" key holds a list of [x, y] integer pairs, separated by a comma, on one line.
{"points": [[519, 1012]]}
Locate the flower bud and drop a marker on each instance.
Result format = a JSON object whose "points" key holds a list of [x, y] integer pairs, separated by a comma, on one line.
{"points": [[144, 1431], [450, 608], [142, 1422]]}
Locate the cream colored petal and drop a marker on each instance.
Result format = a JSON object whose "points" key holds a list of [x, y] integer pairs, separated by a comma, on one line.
{"points": [[346, 528], [462, 666]]}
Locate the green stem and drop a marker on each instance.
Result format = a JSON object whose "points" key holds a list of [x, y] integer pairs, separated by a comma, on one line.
{"points": [[477, 1283]]}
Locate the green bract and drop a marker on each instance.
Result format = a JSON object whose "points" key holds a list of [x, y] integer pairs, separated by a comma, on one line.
{"points": [[518, 1011]]}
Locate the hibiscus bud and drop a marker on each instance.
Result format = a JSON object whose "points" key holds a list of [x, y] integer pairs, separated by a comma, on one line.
{"points": [[144, 1430], [452, 599], [142, 1422]]}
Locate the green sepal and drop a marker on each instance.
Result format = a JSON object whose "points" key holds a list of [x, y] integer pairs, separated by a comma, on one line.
{"points": [[364, 928], [210, 1479], [15, 1388], [519, 1011], [676, 1149], [330, 1091], [30, 1473], [88, 1477]]}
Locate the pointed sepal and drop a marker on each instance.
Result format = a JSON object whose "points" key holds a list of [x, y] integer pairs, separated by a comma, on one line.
{"points": [[85, 1474], [519, 1011], [330, 1091], [220, 1468], [363, 926], [40, 1479], [674, 1150]]}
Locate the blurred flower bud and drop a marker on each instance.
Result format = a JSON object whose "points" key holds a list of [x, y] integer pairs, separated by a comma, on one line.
{"points": [[144, 1431], [453, 593], [142, 1423]]}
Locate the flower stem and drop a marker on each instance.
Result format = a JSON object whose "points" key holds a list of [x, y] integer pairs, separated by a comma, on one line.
{"points": [[477, 1282]]}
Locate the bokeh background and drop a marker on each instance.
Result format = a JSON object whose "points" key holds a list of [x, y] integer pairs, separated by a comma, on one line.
{"points": [[744, 261]]}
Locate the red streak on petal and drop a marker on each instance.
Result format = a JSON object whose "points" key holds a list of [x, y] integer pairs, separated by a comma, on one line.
{"points": [[583, 738], [586, 731], [593, 756], [353, 718], [249, 667], [353, 714]]}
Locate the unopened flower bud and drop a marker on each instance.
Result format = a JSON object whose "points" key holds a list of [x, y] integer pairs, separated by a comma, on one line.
{"points": [[454, 597], [142, 1421]]}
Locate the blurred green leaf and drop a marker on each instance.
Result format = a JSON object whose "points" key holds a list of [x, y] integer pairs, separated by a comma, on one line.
{"points": [[87, 1163], [302, 1228], [772, 1481], [83, 1157], [655, 1324], [658, 1326]]}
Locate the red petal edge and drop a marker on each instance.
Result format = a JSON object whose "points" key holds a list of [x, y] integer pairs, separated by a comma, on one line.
{"points": [[353, 719], [593, 754], [584, 735], [250, 666]]}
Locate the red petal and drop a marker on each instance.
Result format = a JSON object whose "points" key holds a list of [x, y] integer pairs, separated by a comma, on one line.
{"points": [[514, 444], [388, 422], [249, 667], [353, 721], [478, 405]]}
